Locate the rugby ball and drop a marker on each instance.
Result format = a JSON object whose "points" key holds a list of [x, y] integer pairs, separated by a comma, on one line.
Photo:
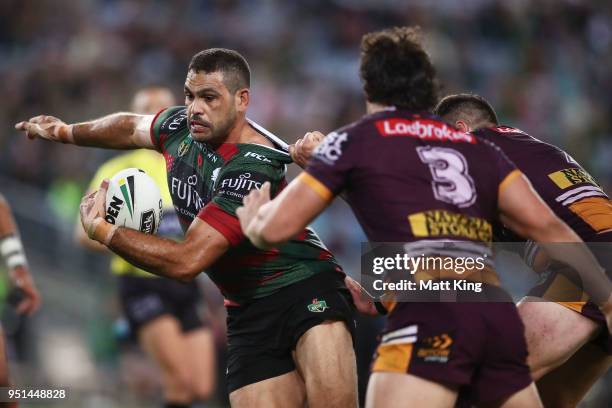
{"points": [[133, 200]]}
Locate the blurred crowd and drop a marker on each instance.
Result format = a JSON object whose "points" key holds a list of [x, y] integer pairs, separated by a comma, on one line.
{"points": [[545, 65]]}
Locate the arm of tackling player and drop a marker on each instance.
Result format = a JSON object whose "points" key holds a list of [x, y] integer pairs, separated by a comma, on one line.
{"points": [[523, 211]]}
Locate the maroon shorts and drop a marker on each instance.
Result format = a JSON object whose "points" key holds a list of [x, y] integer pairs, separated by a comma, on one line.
{"points": [[478, 348]]}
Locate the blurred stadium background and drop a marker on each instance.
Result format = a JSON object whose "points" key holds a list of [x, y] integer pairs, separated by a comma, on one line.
{"points": [[545, 65]]}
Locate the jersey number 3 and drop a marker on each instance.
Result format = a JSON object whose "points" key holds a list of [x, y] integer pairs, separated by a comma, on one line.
{"points": [[451, 182]]}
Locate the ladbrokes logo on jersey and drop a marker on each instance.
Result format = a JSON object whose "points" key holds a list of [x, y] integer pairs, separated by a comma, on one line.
{"points": [[237, 184], [424, 129]]}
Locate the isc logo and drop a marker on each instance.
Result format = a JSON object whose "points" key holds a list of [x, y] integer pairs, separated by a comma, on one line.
{"points": [[258, 157], [113, 209]]}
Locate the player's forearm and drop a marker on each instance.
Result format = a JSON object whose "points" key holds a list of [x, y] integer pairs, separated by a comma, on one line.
{"points": [[115, 131], [160, 256], [563, 245], [270, 228]]}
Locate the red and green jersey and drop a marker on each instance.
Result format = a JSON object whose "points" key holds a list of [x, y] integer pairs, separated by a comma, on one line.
{"points": [[210, 183]]}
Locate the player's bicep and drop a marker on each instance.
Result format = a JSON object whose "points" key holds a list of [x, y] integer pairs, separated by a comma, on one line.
{"points": [[203, 245], [522, 209]]}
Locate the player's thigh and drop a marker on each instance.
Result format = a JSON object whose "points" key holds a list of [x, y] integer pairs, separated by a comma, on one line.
{"points": [[200, 348], [526, 398], [325, 358], [391, 390], [283, 391], [567, 385], [163, 340], [553, 333]]}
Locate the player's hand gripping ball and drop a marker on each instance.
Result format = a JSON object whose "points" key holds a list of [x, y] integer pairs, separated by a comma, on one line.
{"points": [[133, 200], [129, 199]]}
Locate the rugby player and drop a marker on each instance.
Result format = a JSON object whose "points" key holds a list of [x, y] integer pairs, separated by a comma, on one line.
{"points": [[162, 313], [11, 251], [406, 173], [290, 317], [555, 331]]}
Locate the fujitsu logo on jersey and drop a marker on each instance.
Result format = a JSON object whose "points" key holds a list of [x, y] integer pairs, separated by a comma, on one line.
{"points": [[424, 129], [242, 182], [174, 121], [187, 192], [177, 121]]}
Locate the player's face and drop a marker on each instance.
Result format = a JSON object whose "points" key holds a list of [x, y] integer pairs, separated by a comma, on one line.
{"points": [[211, 107]]}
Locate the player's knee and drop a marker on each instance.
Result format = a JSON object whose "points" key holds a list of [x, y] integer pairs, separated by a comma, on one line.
{"points": [[331, 397], [179, 381], [334, 393], [202, 390]]}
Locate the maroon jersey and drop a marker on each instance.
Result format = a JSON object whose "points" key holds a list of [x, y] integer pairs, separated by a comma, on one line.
{"points": [[561, 182], [410, 177]]}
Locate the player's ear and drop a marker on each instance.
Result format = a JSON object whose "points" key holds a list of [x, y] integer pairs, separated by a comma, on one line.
{"points": [[242, 98], [462, 126]]}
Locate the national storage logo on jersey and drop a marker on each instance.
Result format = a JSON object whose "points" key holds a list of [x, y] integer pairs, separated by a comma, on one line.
{"points": [[569, 177], [446, 223], [425, 129]]}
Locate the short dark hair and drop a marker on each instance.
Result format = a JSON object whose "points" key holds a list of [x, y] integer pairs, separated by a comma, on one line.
{"points": [[474, 108], [396, 70], [235, 69]]}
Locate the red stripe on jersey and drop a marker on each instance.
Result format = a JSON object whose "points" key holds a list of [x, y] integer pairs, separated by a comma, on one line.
{"points": [[169, 160], [270, 277], [225, 223], [227, 150], [151, 135], [324, 255], [246, 258], [425, 129]]}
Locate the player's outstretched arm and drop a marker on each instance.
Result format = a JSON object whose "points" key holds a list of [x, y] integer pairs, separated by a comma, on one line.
{"points": [[116, 131], [268, 223], [183, 261], [11, 250], [523, 211]]}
